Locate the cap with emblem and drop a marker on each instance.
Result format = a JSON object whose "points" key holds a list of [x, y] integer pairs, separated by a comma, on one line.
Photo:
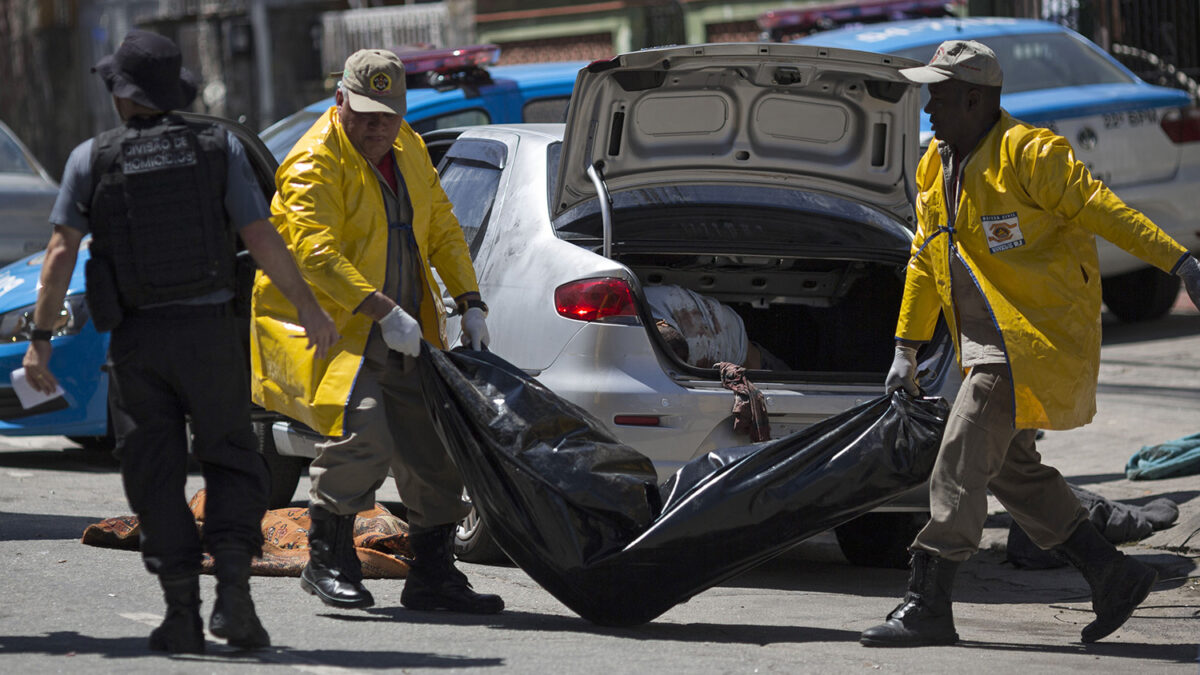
{"points": [[964, 60], [373, 81]]}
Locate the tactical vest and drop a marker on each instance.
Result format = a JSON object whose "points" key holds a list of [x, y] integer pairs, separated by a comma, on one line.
{"points": [[157, 214]]}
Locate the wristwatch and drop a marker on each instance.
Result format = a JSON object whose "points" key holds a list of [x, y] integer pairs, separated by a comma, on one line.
{"points": [[40, 334], [463, 305]]}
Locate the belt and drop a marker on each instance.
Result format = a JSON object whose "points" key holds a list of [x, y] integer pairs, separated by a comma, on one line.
{"points": [[177, 310]]}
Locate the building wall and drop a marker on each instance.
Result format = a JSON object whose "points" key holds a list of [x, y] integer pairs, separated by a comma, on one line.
{"points": [[550, 31], [41, 79]]}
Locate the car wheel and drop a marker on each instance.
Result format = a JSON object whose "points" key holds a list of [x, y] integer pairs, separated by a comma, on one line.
{"points": [[95, 443], [284, 470], [1141, 295], [880, 539], [473, 543]]}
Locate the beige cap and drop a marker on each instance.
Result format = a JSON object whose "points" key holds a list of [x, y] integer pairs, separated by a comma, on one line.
{"points": [[373, 81], [964, 60]]}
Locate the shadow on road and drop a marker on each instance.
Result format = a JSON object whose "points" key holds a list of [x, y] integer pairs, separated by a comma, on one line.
{"points": [[67, 459], [1147, 654], [1173, 325], [40, 526], [70, 643], [721, 633]]}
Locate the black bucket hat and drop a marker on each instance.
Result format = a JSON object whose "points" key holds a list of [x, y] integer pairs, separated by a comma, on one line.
{"points": [[148, 69]]}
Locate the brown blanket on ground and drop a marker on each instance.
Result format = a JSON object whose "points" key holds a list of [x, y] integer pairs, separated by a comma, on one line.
{"points": [[380, 539]]}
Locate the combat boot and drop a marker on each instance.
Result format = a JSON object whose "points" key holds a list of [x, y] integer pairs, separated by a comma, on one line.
{"points": [[433, 580], [182, 631], [233, 617], [925, 616], [333, 572], [1119, 583]]}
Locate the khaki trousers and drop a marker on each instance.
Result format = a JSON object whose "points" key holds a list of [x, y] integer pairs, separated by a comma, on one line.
{"points": [[388, 426], [980, 451]]}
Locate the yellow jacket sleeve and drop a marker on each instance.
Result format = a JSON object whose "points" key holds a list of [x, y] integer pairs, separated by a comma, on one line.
{"points": [[1060, 183]]}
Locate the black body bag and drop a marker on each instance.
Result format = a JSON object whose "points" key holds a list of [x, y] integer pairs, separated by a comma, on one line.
{"points": [[583, 515]]}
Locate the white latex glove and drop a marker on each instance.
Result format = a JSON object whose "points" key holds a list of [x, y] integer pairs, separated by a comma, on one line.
{"points": [[401, 332], [903, 372], [474, 329], [1189, 271]]}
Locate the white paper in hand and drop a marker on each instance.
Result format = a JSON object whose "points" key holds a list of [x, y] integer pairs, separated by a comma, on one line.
{"points": [[29, 396]]}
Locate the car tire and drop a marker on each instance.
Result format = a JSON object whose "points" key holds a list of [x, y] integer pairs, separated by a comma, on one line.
{"points": [[1141, 295], [880, 539], [284, 471], [474, 544]]}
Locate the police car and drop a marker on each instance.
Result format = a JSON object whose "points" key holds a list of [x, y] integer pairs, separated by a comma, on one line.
{"points": [[1142, 140], [445, 87], [458, 87]]}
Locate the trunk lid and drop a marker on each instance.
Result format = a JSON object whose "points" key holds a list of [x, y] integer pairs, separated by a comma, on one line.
{"points": [[784, 115]]}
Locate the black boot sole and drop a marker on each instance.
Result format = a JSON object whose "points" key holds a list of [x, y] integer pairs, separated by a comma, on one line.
{"points": [[436, 604], [312, 589], [937, 642]]}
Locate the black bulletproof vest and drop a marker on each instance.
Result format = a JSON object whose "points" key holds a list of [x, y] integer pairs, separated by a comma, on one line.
{"points": [[157, 214]]}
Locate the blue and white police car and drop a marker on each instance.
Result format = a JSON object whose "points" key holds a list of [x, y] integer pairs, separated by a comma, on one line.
{"points": [[1142, 140]]}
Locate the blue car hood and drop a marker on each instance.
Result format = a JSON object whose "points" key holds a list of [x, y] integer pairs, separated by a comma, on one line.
{"points": [[19, 280]]}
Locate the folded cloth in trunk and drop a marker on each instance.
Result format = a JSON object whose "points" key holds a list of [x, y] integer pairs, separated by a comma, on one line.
{"points": [[582, 515]]}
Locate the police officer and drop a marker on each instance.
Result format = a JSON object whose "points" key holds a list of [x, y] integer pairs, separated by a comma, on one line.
{"points": [[162, 198]]}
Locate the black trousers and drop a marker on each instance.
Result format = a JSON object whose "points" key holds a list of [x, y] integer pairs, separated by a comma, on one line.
{"points": [[167, 366]]}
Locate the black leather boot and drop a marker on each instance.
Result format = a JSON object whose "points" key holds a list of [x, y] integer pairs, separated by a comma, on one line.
{"points": [[333, 572], [924, 617], [1119, 583], [433, 580], [182, 631], [233, 617]]}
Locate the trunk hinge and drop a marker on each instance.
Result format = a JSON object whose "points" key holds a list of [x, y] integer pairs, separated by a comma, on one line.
{"points": [[593, 172]]}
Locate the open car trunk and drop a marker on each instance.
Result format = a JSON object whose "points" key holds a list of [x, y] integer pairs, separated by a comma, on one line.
{"points": [[830, 319], [815, 279]]}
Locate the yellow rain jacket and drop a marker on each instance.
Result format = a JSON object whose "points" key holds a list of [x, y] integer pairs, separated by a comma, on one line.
{"points": [[1025, 227], [331, 214]]}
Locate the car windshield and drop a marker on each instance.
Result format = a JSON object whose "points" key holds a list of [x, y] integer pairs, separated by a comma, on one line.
{"points": [[1039, 61], [12, 160], [281, 137]]}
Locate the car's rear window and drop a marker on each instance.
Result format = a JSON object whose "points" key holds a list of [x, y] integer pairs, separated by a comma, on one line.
{"points": [[546, 109], [470, 174], [12, 160], [458, 118], [1041, 61]]}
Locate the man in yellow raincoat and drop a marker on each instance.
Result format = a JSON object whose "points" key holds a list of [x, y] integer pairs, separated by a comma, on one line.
{"points": [[361, 208], [1005, 249]]}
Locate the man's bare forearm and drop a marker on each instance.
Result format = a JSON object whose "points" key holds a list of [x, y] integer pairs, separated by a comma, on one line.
{"points": [[57, 269]]}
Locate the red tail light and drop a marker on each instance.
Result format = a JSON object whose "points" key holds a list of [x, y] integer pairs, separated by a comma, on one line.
{"points": [[595, 299], [1182, 125]]}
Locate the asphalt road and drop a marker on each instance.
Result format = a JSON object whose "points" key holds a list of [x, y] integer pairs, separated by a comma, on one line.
{"points": [[65, 607]]}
